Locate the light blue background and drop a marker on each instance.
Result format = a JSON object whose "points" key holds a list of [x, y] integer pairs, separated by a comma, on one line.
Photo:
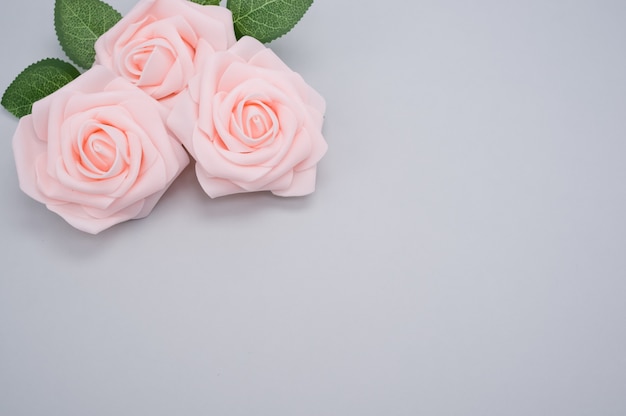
{"points": [[462, 255]]}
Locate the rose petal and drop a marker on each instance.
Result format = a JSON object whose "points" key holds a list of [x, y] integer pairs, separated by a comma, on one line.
{"points": [[282, 182], [154, 45], [303, 184], [181, 119], [256, 124], [216, 187], [318, 150], [80, 218], [105, 155], [27, 147]]}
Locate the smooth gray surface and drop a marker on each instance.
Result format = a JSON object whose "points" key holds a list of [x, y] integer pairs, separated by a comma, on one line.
{"points": [[463, 254]]}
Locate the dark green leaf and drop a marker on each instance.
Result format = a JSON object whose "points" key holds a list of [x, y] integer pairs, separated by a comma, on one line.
{"points": [[79, 23], [36, 82], [207, 2], [266, 20]]}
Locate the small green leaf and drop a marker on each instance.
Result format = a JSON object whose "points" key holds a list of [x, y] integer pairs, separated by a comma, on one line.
{"points": [[36, 82], [266, 20], [207, 2], [79, 23]]}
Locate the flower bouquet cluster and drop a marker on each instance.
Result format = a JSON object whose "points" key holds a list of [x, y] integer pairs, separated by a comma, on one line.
{"points": [[170, 79]]}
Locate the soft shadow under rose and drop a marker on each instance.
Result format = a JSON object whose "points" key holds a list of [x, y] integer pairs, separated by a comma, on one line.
{"points": [[96, 152], [154, 45], [250, 122]]}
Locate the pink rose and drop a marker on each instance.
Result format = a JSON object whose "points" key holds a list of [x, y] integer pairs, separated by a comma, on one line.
{"points": [[154, 45], [251, 123], [96, 152]]}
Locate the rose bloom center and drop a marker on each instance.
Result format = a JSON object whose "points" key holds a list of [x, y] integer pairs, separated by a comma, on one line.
{"points": [[257, 122], [156, 53], [101, 150]]}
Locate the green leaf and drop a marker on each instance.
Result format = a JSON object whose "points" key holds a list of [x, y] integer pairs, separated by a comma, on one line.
{"points": [[79, 23], [207, 2], [266, 20], [36, 82]]}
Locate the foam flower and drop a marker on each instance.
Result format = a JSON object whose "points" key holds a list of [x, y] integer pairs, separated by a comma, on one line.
{"points": [[250, 122], [96, 152], [154, 45]]}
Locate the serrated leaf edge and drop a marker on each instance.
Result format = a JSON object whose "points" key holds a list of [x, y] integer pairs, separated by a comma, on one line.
{"points": [[29, 68], [57, 19], [272, 39], [202, 4]]}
